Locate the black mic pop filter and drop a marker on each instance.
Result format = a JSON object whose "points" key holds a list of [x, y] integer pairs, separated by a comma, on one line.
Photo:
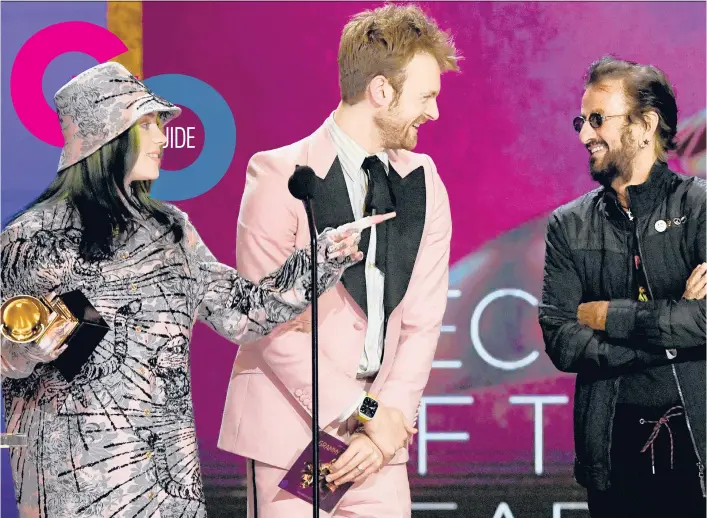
{"points": [[301, 183]]}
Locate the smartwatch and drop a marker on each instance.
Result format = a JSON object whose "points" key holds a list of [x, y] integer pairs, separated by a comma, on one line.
{"points": [[367, 409]]}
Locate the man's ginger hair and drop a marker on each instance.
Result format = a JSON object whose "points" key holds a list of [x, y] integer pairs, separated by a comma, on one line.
{"points": [[382, 42]]}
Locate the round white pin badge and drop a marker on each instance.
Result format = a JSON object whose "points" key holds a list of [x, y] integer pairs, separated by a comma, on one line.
{"points": [[661, 225]]}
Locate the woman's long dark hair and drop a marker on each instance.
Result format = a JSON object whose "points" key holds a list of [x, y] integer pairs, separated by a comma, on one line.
{"points": [[95, 188]]}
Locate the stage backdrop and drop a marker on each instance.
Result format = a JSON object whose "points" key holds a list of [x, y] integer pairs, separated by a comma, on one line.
{"points": [[496, 420]]}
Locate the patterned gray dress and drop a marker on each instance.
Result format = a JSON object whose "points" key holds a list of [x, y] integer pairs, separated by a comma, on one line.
{"points": [[119, 439]]}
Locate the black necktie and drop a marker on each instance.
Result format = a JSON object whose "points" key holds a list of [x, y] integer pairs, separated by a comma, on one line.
{"points": [[379, 200]]}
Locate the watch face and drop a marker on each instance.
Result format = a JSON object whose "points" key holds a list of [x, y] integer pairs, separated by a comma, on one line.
{"points": [[369, 407]]}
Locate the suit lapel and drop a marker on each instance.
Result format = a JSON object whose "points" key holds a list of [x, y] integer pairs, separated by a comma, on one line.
{"points": [[404, 233], [332, 208]]}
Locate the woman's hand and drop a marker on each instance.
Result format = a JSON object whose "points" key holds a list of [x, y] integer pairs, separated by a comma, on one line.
{"points": [[342, 242]]}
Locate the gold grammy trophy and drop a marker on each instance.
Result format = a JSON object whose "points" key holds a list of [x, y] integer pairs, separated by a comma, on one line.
{"points": [[27, 319]]}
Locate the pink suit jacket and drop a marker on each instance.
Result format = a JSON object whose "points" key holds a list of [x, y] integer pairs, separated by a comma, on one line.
{"points": [[267, 413]]}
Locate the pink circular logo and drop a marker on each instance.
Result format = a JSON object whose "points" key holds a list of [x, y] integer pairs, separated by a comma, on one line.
{"points": [[32, 60]]}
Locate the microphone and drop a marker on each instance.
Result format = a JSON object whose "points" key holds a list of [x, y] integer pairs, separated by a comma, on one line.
{"points": [[302, 185]]}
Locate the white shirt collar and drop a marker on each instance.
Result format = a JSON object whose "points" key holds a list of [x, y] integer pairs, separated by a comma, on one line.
{"points": [[352, 148]]}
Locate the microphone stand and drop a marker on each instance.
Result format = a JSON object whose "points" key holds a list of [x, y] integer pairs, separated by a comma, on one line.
{"points": [[315, 358]]}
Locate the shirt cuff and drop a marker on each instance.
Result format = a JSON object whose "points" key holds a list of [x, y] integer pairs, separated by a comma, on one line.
{"points": [[350, 410]]}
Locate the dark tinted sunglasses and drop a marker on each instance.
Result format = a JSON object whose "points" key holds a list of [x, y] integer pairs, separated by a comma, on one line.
{"points": [[595, 120]]}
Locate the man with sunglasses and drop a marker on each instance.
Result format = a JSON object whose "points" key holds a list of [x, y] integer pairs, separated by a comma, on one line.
{"points": [[623, 302]]}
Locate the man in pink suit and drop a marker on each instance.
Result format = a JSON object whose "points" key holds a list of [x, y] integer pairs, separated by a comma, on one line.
{"points": [[378, 329]]}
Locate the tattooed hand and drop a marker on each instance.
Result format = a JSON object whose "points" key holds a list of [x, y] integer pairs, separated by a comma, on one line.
{"points": [[340, 245]]}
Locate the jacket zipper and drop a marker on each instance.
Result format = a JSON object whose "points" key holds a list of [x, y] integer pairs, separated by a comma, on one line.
{"points": [[700, 466], [615, 396]]}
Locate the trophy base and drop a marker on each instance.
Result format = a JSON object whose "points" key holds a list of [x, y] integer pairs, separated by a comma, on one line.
{"points": [[89, 331]]}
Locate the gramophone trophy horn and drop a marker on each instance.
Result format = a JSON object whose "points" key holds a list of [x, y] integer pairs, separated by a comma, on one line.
{"points": [[25, 318]]}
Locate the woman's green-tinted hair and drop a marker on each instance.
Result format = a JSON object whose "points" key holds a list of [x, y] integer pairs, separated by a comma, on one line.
{"points": [[95, 188]]}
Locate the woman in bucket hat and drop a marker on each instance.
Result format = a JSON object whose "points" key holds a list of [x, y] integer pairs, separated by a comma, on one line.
{"points": [[119, 440]]}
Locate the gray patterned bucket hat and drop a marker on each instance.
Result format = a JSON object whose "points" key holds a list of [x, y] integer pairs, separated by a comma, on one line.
{"points": [[99, 104]]}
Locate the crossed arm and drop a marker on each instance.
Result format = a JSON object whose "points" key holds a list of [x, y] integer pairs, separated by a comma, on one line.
{"points": [[596, 337]]}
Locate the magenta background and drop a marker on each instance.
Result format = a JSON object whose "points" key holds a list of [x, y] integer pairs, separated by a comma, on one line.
{"points": [[507, 116]]}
